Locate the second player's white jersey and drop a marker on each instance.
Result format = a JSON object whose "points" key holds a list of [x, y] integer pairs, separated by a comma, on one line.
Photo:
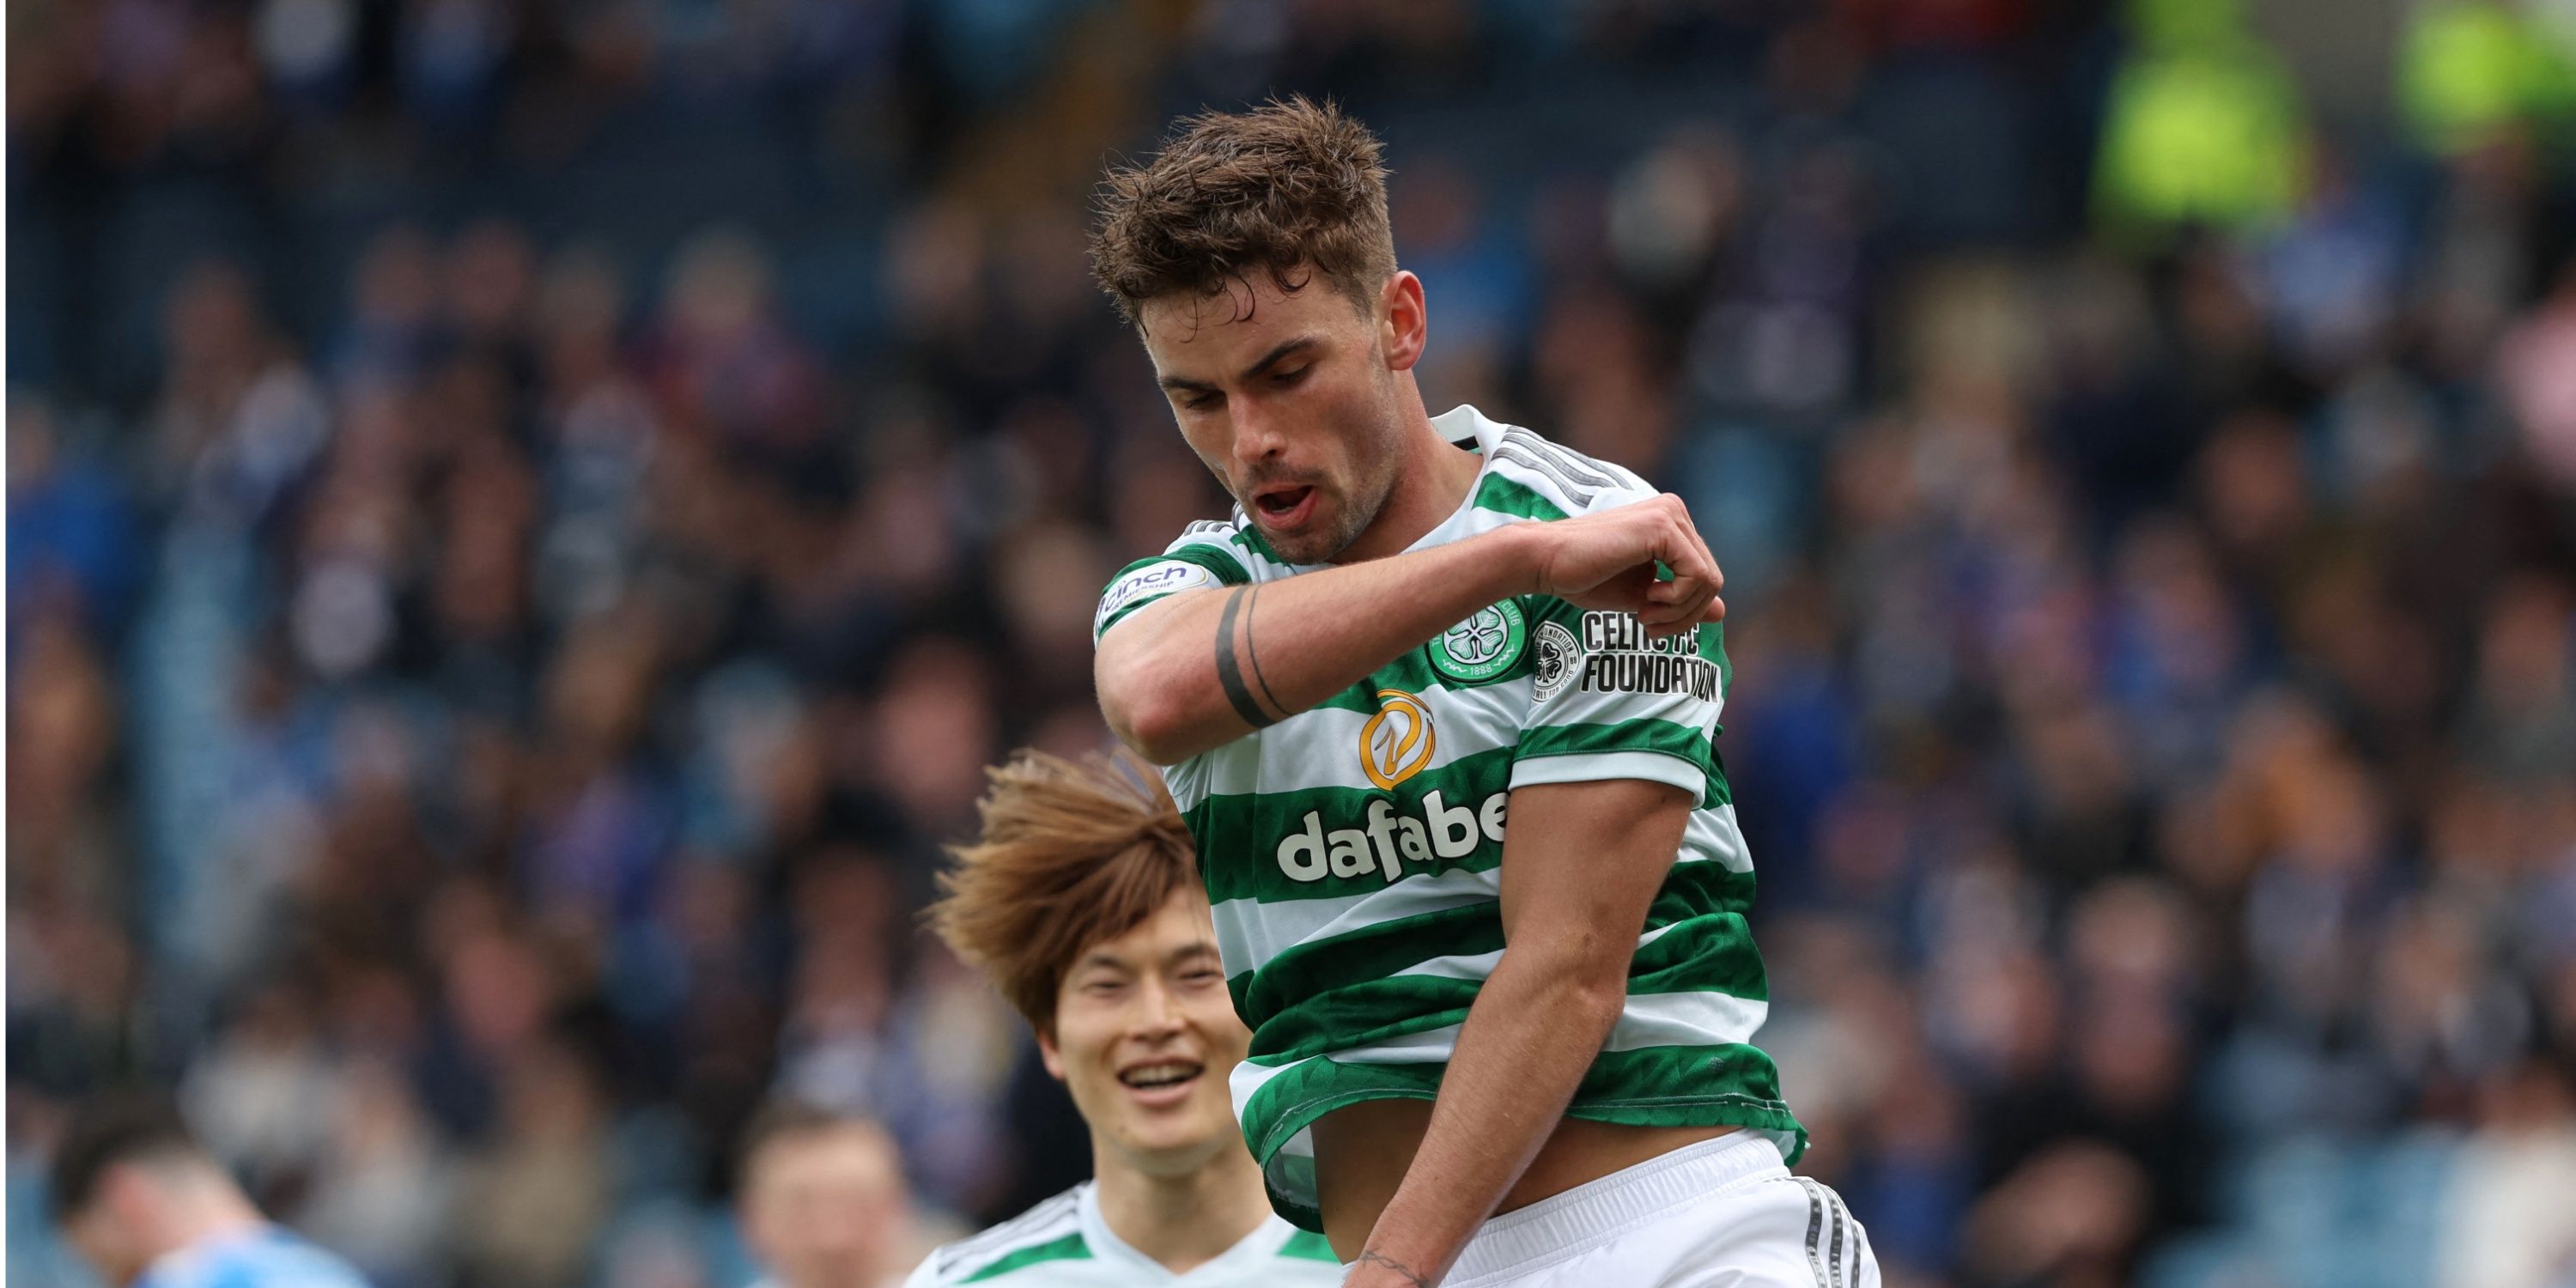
{"points": [[1065, 1243]]}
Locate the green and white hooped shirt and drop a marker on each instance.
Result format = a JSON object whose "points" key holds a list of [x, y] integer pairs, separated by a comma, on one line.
{"points": [[1350, 852], [1065, 1243]]}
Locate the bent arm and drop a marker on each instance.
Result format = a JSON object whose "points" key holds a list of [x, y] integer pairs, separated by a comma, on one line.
{"points": [[1205, 667], [1581, 865], [1199, 669]]}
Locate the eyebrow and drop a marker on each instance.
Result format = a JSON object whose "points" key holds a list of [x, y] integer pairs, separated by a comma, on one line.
{"points": [[1185, 953], [1285, 350]]}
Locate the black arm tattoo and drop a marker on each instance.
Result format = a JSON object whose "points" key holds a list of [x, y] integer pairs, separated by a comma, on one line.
{"points": [[1229, 673], [1249, 603], [1373, 1257]]}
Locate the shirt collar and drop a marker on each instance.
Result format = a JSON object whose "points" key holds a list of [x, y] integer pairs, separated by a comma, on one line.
{"points": [[1264, 1242]]}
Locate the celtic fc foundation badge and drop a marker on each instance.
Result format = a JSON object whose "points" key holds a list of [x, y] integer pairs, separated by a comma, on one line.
{"points": [[1481, 647], [1558, 655]]}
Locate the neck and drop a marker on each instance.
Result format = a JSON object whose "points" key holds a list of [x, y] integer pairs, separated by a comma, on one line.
{"points": [[1182, 1222], [219, 1217], [1431, 482], [202, 1212]]}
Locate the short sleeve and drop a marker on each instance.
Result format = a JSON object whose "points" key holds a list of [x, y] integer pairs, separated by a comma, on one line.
{"points": [[1609, 703], [1196, 561]]}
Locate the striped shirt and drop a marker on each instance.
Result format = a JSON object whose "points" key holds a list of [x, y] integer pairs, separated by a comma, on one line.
{"points": [[1351, 851], [1066, 1243]]}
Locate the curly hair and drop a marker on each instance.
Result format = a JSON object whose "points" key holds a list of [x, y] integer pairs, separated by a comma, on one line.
{"points": [[1070, 854], [1291, 189]]}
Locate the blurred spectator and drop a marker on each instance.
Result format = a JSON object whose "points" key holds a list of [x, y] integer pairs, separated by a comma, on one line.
{"points": [[2204, 124], [382, 1183], [822, 1201], [2070, 1218], [72, 538], [531, 1201], [2504, 1226], [148, 1209], [2534, 362], [2472, 69]]}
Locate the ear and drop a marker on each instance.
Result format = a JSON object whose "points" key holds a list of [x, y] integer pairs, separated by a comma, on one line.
{"points": [[1047, 1052], [128, 1195], [1403, 324]]}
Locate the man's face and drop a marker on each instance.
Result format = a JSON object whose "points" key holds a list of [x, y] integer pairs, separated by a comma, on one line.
{"points": [[826, 1209], [1291, 399], [1145, 1035], [108, 1233]]}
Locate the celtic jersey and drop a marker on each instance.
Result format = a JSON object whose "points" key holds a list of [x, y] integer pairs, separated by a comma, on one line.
{"points": [[1351, 851], [1065, 1243]]}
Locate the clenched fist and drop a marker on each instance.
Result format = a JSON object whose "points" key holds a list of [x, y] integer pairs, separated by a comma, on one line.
{"points": [[1606, 560]]}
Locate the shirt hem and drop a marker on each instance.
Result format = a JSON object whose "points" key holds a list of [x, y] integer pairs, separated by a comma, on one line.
{"points": [[1724, 1109]]}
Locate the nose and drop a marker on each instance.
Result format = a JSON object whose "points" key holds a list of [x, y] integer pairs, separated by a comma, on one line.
{"points": [[1256, 436], [1158, 1014]]}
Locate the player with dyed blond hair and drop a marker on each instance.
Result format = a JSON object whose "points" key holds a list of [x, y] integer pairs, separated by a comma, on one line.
{"points": [[1079, 899], [1481, 1053]]}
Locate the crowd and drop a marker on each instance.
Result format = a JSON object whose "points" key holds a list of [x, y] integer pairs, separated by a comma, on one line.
{"points": [[527, 522]]}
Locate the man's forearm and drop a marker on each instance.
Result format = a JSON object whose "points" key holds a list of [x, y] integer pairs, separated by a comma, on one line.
{"points": [[1205, 669], [1531, 1034]]}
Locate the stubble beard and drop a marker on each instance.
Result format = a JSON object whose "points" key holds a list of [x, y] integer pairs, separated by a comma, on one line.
{"points": [[1358, 509], [1354, 517]]}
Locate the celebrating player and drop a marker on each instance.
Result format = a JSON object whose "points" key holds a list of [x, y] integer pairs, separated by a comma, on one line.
{"points": [[147, 1207], [1354, 681], [1081, 901]]}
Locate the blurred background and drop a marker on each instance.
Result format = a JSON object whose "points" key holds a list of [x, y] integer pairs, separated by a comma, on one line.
{"points": [[527, 520]]}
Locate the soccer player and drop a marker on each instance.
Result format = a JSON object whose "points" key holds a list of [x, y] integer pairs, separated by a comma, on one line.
{"points": [[147, 1207], [823, 1203], [1081, 902], [1410, 630]]}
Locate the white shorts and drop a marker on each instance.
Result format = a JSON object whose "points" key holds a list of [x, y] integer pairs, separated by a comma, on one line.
{"points": [[1723, 1213]]}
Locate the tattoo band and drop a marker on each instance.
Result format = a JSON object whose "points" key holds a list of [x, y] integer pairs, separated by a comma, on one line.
{"points": [[1373, 1257], [1229, 673], [1251, 602]]}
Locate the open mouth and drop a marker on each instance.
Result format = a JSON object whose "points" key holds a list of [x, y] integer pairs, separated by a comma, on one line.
{"points": [[1284, 506], [1164, 1075]]}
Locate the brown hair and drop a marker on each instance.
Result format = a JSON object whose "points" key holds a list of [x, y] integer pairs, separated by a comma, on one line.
{"points": [[125, 1127], [1071, 853], [1289, 188], [788, 1119]]}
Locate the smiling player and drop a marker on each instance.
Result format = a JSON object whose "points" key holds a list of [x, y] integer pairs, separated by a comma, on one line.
{"points": [[1411, 631], [1081, 902]]}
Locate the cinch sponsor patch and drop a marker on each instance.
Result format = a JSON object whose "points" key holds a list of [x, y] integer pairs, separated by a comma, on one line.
{"points": [[1147, 582]]}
